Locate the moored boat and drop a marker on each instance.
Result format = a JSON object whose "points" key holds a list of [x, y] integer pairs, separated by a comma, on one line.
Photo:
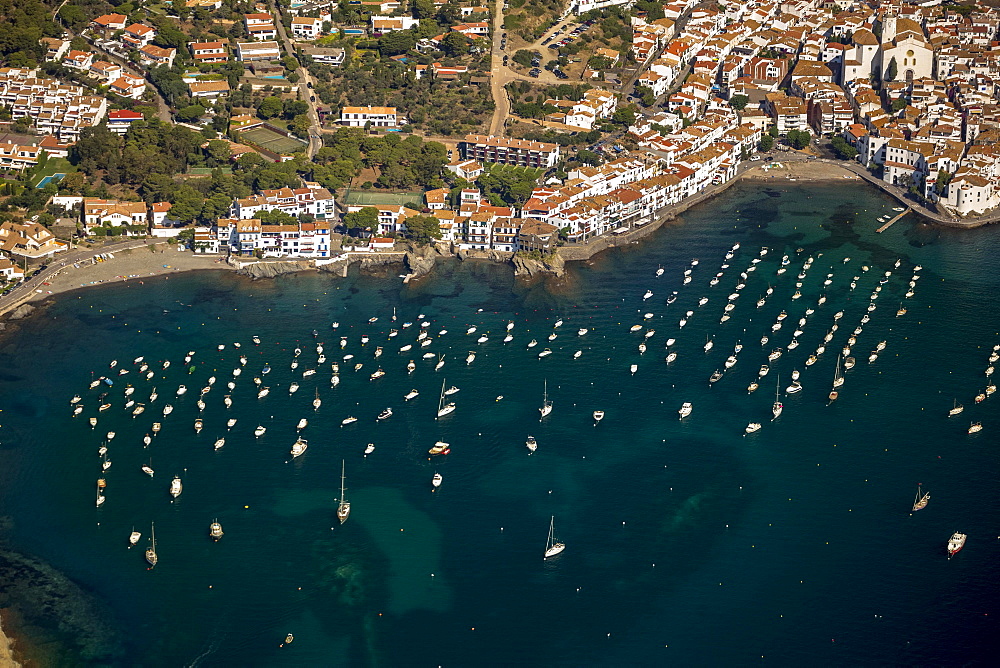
{"points": [[921, 500], [956, 543]]}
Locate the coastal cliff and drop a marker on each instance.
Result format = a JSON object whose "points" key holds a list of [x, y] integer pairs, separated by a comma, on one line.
{"points": [[257, 270], [529, 266]]}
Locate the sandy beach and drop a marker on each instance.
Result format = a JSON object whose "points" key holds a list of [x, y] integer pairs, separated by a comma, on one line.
{"points": [[135, 264]]}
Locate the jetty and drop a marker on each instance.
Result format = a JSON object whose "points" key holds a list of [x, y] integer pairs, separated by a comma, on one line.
{"points": [[891, 221]]}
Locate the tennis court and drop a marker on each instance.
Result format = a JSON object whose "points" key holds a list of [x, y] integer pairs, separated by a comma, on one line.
{"points": [[273, 141]]}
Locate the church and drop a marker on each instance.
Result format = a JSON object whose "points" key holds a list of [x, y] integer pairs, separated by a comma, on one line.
{"points": [[902, 40]]}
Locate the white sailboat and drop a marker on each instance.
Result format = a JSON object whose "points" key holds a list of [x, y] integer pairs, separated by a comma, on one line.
{"points": [[546, 404], [151, 557], [552, 545], [443, 408], [777, 407], [343, 506]]}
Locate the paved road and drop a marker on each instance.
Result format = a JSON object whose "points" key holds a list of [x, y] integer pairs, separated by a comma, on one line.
{"points": [[27, 289], [305, 92]]}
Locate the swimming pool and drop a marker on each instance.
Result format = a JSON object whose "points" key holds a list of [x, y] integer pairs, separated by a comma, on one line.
{"points": [[46, 180]]}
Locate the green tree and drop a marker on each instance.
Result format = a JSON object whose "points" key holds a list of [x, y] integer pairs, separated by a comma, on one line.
{"points": [[899, 104], [523, 57], [844, 150], [422, 9], [892, 70], [766, 143], [190, 113], [624, 116], [799, 139], [186, 204], [218, 151], [270, 107], [396, 43], [423, 228], [739, 102], [457, 44], [365, 219]]}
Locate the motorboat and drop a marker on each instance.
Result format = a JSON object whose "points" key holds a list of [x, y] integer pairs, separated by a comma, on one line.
{"points": [[198, 424], [348, 420], [302, 424], [370, 448], [685, 410], [378, 373], [264, 391], [437, 480], [545, 353], [299, 447], [440, 448], [671, 357], [752, 427], [176, 487], [633, 328], [598, 416], [763, 370], [715, 377], [219, 443], [730, 361], [259, 431], [796, 386], [531, 443], [956, 543], [384, 415], [230, 423], [215, 530], [633, 368], [411, 394]]}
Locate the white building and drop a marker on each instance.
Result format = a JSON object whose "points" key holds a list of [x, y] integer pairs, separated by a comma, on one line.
{"points": [[378, 117]]}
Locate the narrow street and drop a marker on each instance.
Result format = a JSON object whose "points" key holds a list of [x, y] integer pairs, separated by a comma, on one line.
{"points": [[305, 91]]}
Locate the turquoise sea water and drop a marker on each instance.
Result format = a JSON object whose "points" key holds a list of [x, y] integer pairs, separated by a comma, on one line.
{"points": [[687, 542]]}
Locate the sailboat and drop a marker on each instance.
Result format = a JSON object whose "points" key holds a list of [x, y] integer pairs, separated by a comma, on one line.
{"points": [[921, 500], [836, 377], [344, 506], [443, 408], [552, 545], [546, 404], [777, 407], [955, 409], [151, 557]]}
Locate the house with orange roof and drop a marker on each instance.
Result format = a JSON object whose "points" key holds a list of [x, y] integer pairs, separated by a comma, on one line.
{"points": [[376, 117], [29, 240]]}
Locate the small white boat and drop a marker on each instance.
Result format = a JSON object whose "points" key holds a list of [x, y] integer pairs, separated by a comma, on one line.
{"points": [[685, 410], [975, 427], [545, 353], [598, 416], [259, 431], [471, 330], [649, 293], [219, 442], [411, 394], [581, 332], [176, 487], [633, 368], [299, 447], [633, 328], [384, 415], [752, 427], [181, 390], [348, 420], [471, 357], [264, 391], [671, 342], [370, 448]]}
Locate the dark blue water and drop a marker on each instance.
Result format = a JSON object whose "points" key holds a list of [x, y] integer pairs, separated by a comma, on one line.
{"points": [[687, 541]]}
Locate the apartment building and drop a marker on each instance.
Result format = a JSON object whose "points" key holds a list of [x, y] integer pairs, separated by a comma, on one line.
{"points": [[509, 151], [312, 200]]}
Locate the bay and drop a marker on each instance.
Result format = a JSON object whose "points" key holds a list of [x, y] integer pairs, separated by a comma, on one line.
{"points": [[687, 541]]}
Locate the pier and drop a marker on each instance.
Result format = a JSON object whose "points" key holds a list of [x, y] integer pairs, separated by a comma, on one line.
{"points": [[891, 221]]}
